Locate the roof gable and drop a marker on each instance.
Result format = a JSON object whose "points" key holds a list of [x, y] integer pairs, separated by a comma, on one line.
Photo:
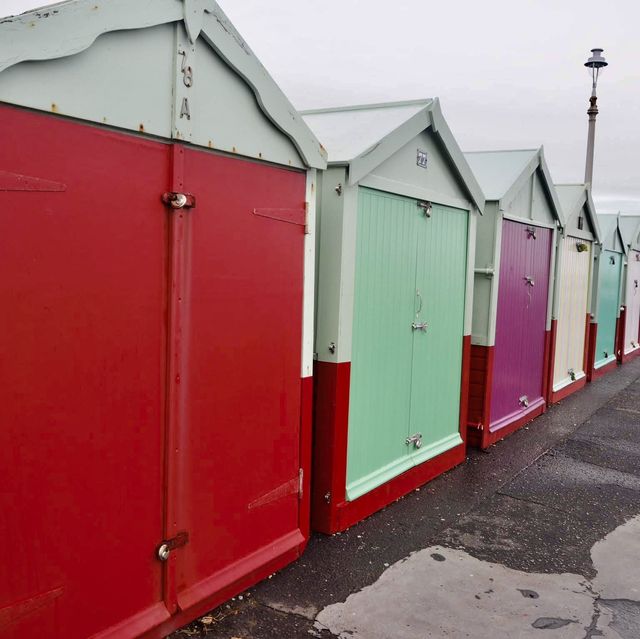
{"points": [[363, 137], [576, 200], [502, 174], [611, 237], [630, 230], [68, 28]]}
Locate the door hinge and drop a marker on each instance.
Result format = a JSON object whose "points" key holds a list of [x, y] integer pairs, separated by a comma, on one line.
{"points": [[300, 483], [165, 548], [179, 200]]}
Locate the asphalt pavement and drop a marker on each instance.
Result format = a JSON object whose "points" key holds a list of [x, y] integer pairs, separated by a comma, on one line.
{"points": [[537, 537]]}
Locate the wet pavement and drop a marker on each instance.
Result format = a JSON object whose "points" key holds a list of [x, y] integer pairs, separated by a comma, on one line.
{"points": [[537, 537]]}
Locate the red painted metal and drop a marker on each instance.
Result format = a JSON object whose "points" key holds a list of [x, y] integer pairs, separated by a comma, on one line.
{"points": [[331, 512], [603, 370], [83, 274], [549, 360], [150, 369], [330, 430], [306, 443], [591, 352], [621, 324]]}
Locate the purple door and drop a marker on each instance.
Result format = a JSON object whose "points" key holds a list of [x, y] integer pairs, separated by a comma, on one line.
{"points": [[518, 366]]}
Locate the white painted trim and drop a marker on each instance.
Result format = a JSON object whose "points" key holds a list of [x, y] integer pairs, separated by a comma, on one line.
{"points": [[308, 299], [529, 222], [495, 281], [394, 187], [471, 262], [568, 381], [347, 272]]}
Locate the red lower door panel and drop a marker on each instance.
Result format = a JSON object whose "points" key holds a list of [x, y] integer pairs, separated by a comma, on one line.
{"points": [[82, 279]]}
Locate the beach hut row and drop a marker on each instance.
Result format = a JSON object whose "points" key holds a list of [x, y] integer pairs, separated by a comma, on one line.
{"points": [[228, 323]]}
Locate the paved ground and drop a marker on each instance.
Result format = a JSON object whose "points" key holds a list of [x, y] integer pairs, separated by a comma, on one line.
{"points": [[539, 537]]}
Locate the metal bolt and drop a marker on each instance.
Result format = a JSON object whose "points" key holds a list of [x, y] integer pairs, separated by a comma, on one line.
{"points": [[163, 552], [332, 347]]}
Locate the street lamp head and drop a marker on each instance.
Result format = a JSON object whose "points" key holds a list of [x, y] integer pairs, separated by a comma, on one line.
{"points": [[596, 61], [594, 64]]}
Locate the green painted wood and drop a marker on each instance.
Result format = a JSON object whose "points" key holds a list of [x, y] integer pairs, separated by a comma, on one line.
{"points": [[437, 353], [404, 381], [610, 270], [380, 393]]}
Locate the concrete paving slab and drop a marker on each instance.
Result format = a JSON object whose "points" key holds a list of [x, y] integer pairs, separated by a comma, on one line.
{"points": [[415, 599]]}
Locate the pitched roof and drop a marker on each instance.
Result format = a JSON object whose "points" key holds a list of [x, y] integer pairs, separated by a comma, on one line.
{"points": [[572, 198], [501, 174], [366, 135], [497, 171], [609, 228], [70, 27], [629, 230]]}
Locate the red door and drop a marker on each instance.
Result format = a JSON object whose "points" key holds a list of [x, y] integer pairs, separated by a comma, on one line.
{"points": [[82, 344], [150, 373], [238, 465]]}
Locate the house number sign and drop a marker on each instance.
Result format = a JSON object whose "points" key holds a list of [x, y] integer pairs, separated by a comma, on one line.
{"points": [[421, 160]]}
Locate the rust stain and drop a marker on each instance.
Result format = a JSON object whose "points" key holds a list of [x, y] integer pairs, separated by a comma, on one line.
{"points": [[141, 128], [17, 611]]}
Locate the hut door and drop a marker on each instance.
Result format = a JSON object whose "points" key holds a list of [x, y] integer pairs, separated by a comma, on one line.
{"points": [[609, 272], [574, 294], [82, 262], [632, 302], [521, 321], [437, 349], [407, 337], [382, 350], [235, 487]]}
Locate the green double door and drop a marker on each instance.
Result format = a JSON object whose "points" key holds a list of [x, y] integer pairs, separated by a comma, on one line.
{"points": [[609, 274], [408, 325]]}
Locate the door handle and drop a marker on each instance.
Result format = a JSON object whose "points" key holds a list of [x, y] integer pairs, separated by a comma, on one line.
{"points": [[419, 326], [416, 440]]}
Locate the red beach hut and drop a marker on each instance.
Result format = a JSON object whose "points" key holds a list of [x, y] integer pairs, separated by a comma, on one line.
{"points": [[156, 263]]}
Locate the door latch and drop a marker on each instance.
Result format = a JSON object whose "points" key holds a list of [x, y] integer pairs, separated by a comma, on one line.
{"points": [[165, 548], [419, 326], [524, 401], [179, 200], [416, 440], [572, 375], [529, 280]]}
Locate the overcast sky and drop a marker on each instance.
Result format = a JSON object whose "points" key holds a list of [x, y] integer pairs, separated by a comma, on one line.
{"points": [[509, 73]]}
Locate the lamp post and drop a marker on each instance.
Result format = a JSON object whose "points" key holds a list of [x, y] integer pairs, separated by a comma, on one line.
{"points": [[594, 64]]}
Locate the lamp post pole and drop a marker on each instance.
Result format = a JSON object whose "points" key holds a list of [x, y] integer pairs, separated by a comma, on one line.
{"points": [[594, 64]]}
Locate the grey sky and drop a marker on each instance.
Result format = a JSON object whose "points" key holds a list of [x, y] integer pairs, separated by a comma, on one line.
{"points": [[508, 72]]}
